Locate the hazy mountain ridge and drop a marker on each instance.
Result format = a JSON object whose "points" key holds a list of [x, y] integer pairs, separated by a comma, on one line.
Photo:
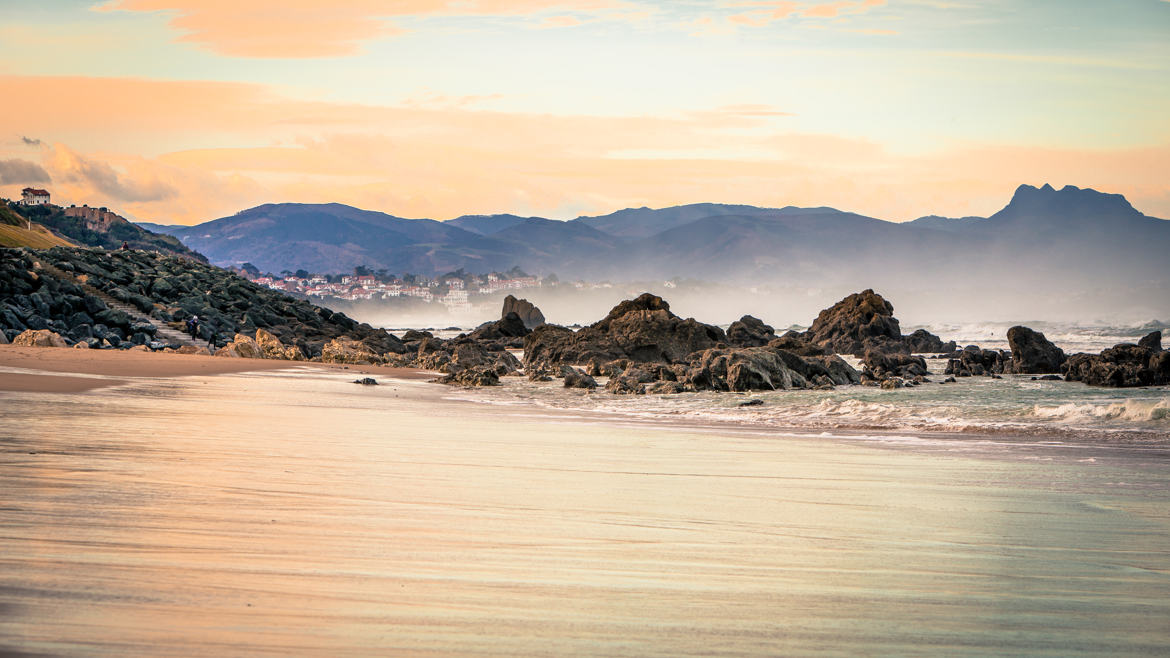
{"points": [[1064, 246]]}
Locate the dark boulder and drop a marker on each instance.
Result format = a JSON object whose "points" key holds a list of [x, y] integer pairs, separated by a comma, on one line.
{"points": [[1123, 365], [848, 325], [576, 379], [885, 365], [750, 331], [524, 309], [921, 340], [478, 376], [973, 360], [510, 328], [1032, 353], [1152, 341], [641, 330]]}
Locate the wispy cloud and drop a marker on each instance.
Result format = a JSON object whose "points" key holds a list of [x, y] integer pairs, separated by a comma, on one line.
{"points": [[309, 28]]}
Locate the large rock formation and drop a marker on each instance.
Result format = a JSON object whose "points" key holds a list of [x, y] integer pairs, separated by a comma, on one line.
{"points": [[168, 290], [1152, 341], [865, 321], [524, 309], [1123, 365], [973, 360], [641, 330], [1032, 353], [750, 331]]}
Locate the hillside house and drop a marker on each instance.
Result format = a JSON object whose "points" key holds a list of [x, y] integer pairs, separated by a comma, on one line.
{"points": [[31, 196]]}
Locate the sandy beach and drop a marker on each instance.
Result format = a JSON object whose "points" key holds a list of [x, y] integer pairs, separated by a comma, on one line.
{"points": [[290, 511], [112, 368]]}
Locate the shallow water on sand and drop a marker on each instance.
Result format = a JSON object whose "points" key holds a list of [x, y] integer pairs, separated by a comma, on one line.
{"points": [[295, 513]]}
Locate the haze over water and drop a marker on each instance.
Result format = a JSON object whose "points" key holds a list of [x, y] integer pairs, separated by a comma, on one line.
{"points": [[295, 513]]}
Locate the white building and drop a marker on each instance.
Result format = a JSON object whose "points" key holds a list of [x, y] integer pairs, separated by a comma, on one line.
{"points": [[31, 196]]}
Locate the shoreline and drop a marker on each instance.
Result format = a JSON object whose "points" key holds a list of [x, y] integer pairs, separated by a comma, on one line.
{"points": [[105, 368]]}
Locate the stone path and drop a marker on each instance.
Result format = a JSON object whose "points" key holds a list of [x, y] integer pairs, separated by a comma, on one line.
{"points": [[163, 332]]}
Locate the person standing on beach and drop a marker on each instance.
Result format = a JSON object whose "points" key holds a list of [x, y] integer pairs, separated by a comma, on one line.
{"points": [[211, 338]]}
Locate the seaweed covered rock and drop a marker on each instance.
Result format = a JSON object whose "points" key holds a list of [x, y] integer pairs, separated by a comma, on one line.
{"points": [[975, 361], [574, 378], [880, 366]]}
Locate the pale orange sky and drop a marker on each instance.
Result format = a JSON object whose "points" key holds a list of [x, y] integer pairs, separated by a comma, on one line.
{"points": [[182, 111]]}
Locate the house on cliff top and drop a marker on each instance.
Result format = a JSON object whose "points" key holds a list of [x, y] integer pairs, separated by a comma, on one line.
{"points": [[31, 196]]}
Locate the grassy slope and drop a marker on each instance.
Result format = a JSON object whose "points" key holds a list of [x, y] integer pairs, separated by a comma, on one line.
{"points": [[38, 238]]}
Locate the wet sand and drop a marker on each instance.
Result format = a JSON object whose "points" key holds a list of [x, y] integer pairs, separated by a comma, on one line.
{"points": [[292, 512], [112, 367]]}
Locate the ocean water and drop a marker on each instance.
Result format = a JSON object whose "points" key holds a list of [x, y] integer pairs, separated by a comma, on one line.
{"points": [[294, 513], [1017, 405]]}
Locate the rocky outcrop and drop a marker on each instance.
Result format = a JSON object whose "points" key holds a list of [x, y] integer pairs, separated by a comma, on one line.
{"points": [[865, 321], [241, 347], [975, 361], [1152, 341], [641, 330], [750, 331], [39, 338], [272, 348], [524, 309], [169, 290], [1123, 365], [509, 331], [921, 341], [349, 351], [479, 376], [1032, 353], [880, 366], [576, 379]]}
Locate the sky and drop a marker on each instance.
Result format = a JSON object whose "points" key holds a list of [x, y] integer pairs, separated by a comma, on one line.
{"points": [[183, 111]]}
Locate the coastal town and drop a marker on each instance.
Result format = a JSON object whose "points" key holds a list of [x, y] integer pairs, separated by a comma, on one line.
{"points": [[455, 290]]}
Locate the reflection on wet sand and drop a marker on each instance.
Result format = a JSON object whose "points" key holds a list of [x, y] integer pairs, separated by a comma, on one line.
{"points": [[294, 513]]}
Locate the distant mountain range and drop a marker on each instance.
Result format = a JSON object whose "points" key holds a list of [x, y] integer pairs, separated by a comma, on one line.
{"points": [[1070, 237]]}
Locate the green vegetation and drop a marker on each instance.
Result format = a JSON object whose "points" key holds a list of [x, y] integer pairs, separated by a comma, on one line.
{"points": [[118, 231]]}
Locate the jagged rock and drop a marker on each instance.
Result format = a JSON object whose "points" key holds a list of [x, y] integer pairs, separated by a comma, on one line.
{"points": [[81, 345], [641, 330], [743, 369], [524, 309], [1152, 341], [921, 340], [892, 383], [366, 381], [478, 376], [509, 328], [506, 364], [664, 388], [271, 347], [39, 338], [346, 350], [973, 360], [1032, 353], [884, 365], [750, 331], [576, 379], [848, 325], [191, 349], [792, 342], [1123, 365], [630, 382], [241, 346]]}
